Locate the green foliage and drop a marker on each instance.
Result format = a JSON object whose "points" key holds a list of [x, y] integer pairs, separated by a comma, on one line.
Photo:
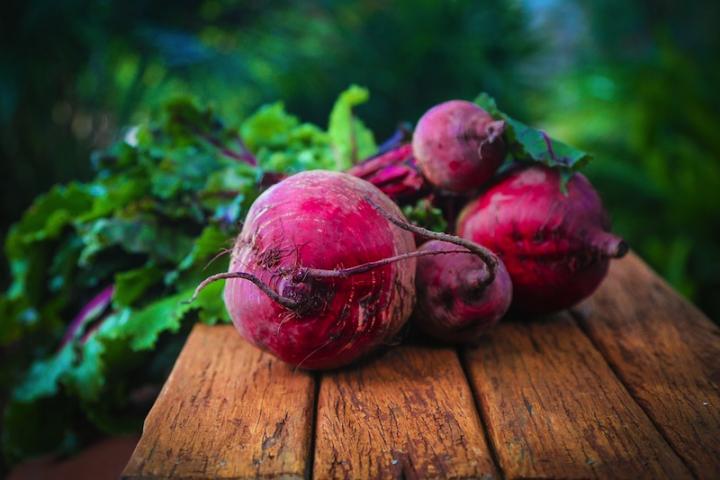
{"points": [[525, 143], [424, 214], [351, 140], [73, 72], [159, 216], [283, 144]]}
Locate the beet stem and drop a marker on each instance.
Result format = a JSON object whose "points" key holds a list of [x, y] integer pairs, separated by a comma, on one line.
{"points": [[548, 143], [621, 250], [365, 267], [485, 255], [286, 302], [494, 130]]}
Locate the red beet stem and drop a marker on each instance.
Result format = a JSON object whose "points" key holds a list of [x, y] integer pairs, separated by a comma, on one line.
{"points": [[286, 302], [394, 172], [91, 309], [313, 273], [494, 130], [366, 267]]}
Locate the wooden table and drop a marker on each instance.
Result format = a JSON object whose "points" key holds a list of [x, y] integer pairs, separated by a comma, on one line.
{"points": [[625, 386]]}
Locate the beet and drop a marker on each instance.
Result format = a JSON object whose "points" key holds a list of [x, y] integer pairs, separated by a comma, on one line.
{"points": [[455, 303], [303, 303], [555, 245], [458, 146]]}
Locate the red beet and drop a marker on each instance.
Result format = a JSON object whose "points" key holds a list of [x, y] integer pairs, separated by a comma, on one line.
{"points": [[556, 246], [458, 146], [455, 303], [303, 301]]}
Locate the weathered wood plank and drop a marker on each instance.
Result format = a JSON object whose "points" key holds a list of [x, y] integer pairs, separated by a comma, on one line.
{"points": [[667, 353], [554, 409], [227, 411], [408, 414]]}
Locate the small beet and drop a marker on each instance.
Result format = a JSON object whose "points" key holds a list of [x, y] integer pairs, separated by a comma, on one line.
{"points": [[458, 146], [555, 245], [455, 303]]}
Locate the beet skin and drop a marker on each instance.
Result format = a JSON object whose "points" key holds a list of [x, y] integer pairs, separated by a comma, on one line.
{"points": [[454, 303], [321, 220], [556, 246], [458, 146]]}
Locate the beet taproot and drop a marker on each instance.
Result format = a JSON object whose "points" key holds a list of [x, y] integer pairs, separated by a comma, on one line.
{"points": [[555, 245], [454, 301], [458, 146], [297, 246]]}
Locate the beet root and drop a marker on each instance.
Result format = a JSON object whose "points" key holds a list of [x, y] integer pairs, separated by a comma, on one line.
{"points": [[458, 146], [311, 223], [454, 302], [556, 246]]}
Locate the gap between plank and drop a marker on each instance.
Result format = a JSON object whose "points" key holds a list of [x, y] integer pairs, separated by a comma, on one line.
{"points": [[478, 408], [577, 318], [317, 378]]}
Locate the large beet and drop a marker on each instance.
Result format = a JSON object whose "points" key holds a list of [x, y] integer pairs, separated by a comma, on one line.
{"points": [[299, 243], [555, 245]]}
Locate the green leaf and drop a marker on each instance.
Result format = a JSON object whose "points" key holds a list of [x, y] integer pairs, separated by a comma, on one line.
{"points": [[141, 234], [211, 304], [43, 379], [47, 217], [350, 139], [87, 378], [28, 273], [33, 428], [282, 144], [270, 126], [64, 265], [526, 143], [235, 178], [9, 329], [234, 186], [143, 327], [186, 170], [116, 192], [185, 119], [132, 284], [211, 242], [489, 104], [424, 214]]}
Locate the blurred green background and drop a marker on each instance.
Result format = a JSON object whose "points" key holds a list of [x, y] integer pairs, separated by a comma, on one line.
{"points": [[636, 83]]}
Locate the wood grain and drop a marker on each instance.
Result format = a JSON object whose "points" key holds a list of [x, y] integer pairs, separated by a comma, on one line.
{"points": [[667, 353], [408, 414], [227, 411], [554, 409]]}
